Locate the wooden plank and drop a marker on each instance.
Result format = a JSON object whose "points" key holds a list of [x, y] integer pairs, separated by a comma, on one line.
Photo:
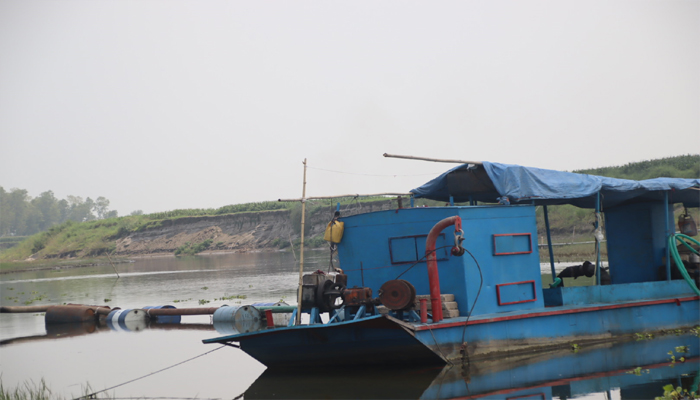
{"points": [[444, 297], [446, 305], [450, 313]]}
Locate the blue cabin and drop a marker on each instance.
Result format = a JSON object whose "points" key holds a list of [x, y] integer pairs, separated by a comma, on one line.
{"points": [[378, 247], [502, 265]]}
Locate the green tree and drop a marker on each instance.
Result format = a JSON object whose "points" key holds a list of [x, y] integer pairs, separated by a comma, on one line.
{"points": [[47, 207], [15, 210], [79, 210], [101, 207]]}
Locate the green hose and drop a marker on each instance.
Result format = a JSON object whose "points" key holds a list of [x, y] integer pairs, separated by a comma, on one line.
{"points": [[556, 283], [677, 258]]}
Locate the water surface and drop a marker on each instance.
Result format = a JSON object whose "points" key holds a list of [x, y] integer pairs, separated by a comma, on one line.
{"points": [[68, 357]]}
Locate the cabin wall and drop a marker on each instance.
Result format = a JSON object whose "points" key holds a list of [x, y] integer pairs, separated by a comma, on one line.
{"points": [[382, 246], [636, 240]]}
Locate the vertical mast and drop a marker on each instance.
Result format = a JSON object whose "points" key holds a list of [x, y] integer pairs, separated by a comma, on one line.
{"points": [[301, 256]]}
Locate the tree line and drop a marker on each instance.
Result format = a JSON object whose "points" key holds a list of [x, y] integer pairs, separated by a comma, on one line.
{"points": [[685, 166], [22, 215]]}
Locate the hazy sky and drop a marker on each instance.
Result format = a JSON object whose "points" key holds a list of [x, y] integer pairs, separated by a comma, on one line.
{"points": [[158, 105]]}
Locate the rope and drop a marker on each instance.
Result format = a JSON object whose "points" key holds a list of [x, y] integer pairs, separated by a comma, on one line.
{"points": [[478, 292], [438, 346], [94, 394], [415, 263]]}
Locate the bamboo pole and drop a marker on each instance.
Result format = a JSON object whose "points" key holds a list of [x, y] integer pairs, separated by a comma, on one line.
{"points": [[297, 320], [432, 159], [349, 195]]}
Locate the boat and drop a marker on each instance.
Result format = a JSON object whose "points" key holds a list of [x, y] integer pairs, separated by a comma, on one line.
{"points": [[462, 282]]}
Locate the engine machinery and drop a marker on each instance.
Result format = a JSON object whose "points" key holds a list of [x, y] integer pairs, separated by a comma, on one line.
{"points": [[328, 292]]}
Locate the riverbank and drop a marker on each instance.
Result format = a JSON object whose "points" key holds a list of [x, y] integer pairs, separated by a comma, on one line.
{"points": [[57, 264]]}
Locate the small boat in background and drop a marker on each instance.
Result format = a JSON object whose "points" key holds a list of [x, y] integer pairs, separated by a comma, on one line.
{"points": [[392, 305]]}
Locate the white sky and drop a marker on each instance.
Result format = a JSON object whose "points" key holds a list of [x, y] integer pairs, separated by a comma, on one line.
{"points": [[158, 105]]}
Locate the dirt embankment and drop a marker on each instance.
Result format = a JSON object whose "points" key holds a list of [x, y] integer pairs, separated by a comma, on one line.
{"points": [[232, 232]]}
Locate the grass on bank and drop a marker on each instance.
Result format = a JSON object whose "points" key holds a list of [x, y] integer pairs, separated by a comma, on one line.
{"points": [[30, 390]]}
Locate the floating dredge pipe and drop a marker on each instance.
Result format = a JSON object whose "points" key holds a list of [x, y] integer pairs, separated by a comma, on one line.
{"points": [[69, 314], [105, 310], [100, 310], [211, 310], [433, 276], [23, 309]]}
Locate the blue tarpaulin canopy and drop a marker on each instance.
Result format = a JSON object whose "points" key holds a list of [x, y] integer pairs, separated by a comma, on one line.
{"points": [[520, 184]]}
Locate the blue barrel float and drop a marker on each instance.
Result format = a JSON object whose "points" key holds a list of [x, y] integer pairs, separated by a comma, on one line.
{"points": [[128, 320], [231, 320], [163, 319]]}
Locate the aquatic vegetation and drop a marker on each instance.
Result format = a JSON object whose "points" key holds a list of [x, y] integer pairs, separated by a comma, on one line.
{"points": [[182, 301], [235, 296], [638, 371], [677, 393], [107, 300], [644, 336], [680, 350], [203, 301]]}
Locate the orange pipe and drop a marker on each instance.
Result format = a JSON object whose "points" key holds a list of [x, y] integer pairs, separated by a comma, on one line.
{"points": [[433, 276]]}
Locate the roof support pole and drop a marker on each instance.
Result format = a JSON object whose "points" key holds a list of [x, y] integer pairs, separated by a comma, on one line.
{"points": [[597, 241], [668, 233], [549, 242]]}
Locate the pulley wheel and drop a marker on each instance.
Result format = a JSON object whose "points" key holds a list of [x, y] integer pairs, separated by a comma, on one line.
{"points": [[397, 294]]}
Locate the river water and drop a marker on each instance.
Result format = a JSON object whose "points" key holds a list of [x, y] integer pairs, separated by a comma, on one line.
{"points": [[170, 361]]}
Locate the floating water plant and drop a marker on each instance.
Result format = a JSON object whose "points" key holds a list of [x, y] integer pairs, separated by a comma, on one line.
{"points": [[638, 371], [182, 301], [235, 296], [676, 393]]}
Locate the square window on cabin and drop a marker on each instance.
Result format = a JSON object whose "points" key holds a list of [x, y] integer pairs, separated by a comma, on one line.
{"points": [[409, 249]]}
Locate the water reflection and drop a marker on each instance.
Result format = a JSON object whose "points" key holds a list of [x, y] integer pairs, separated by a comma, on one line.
{"points": [[632, 370], [72, 330]]}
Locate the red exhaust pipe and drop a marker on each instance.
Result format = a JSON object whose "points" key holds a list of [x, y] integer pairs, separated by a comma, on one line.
{"points": [[433, 276]]}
